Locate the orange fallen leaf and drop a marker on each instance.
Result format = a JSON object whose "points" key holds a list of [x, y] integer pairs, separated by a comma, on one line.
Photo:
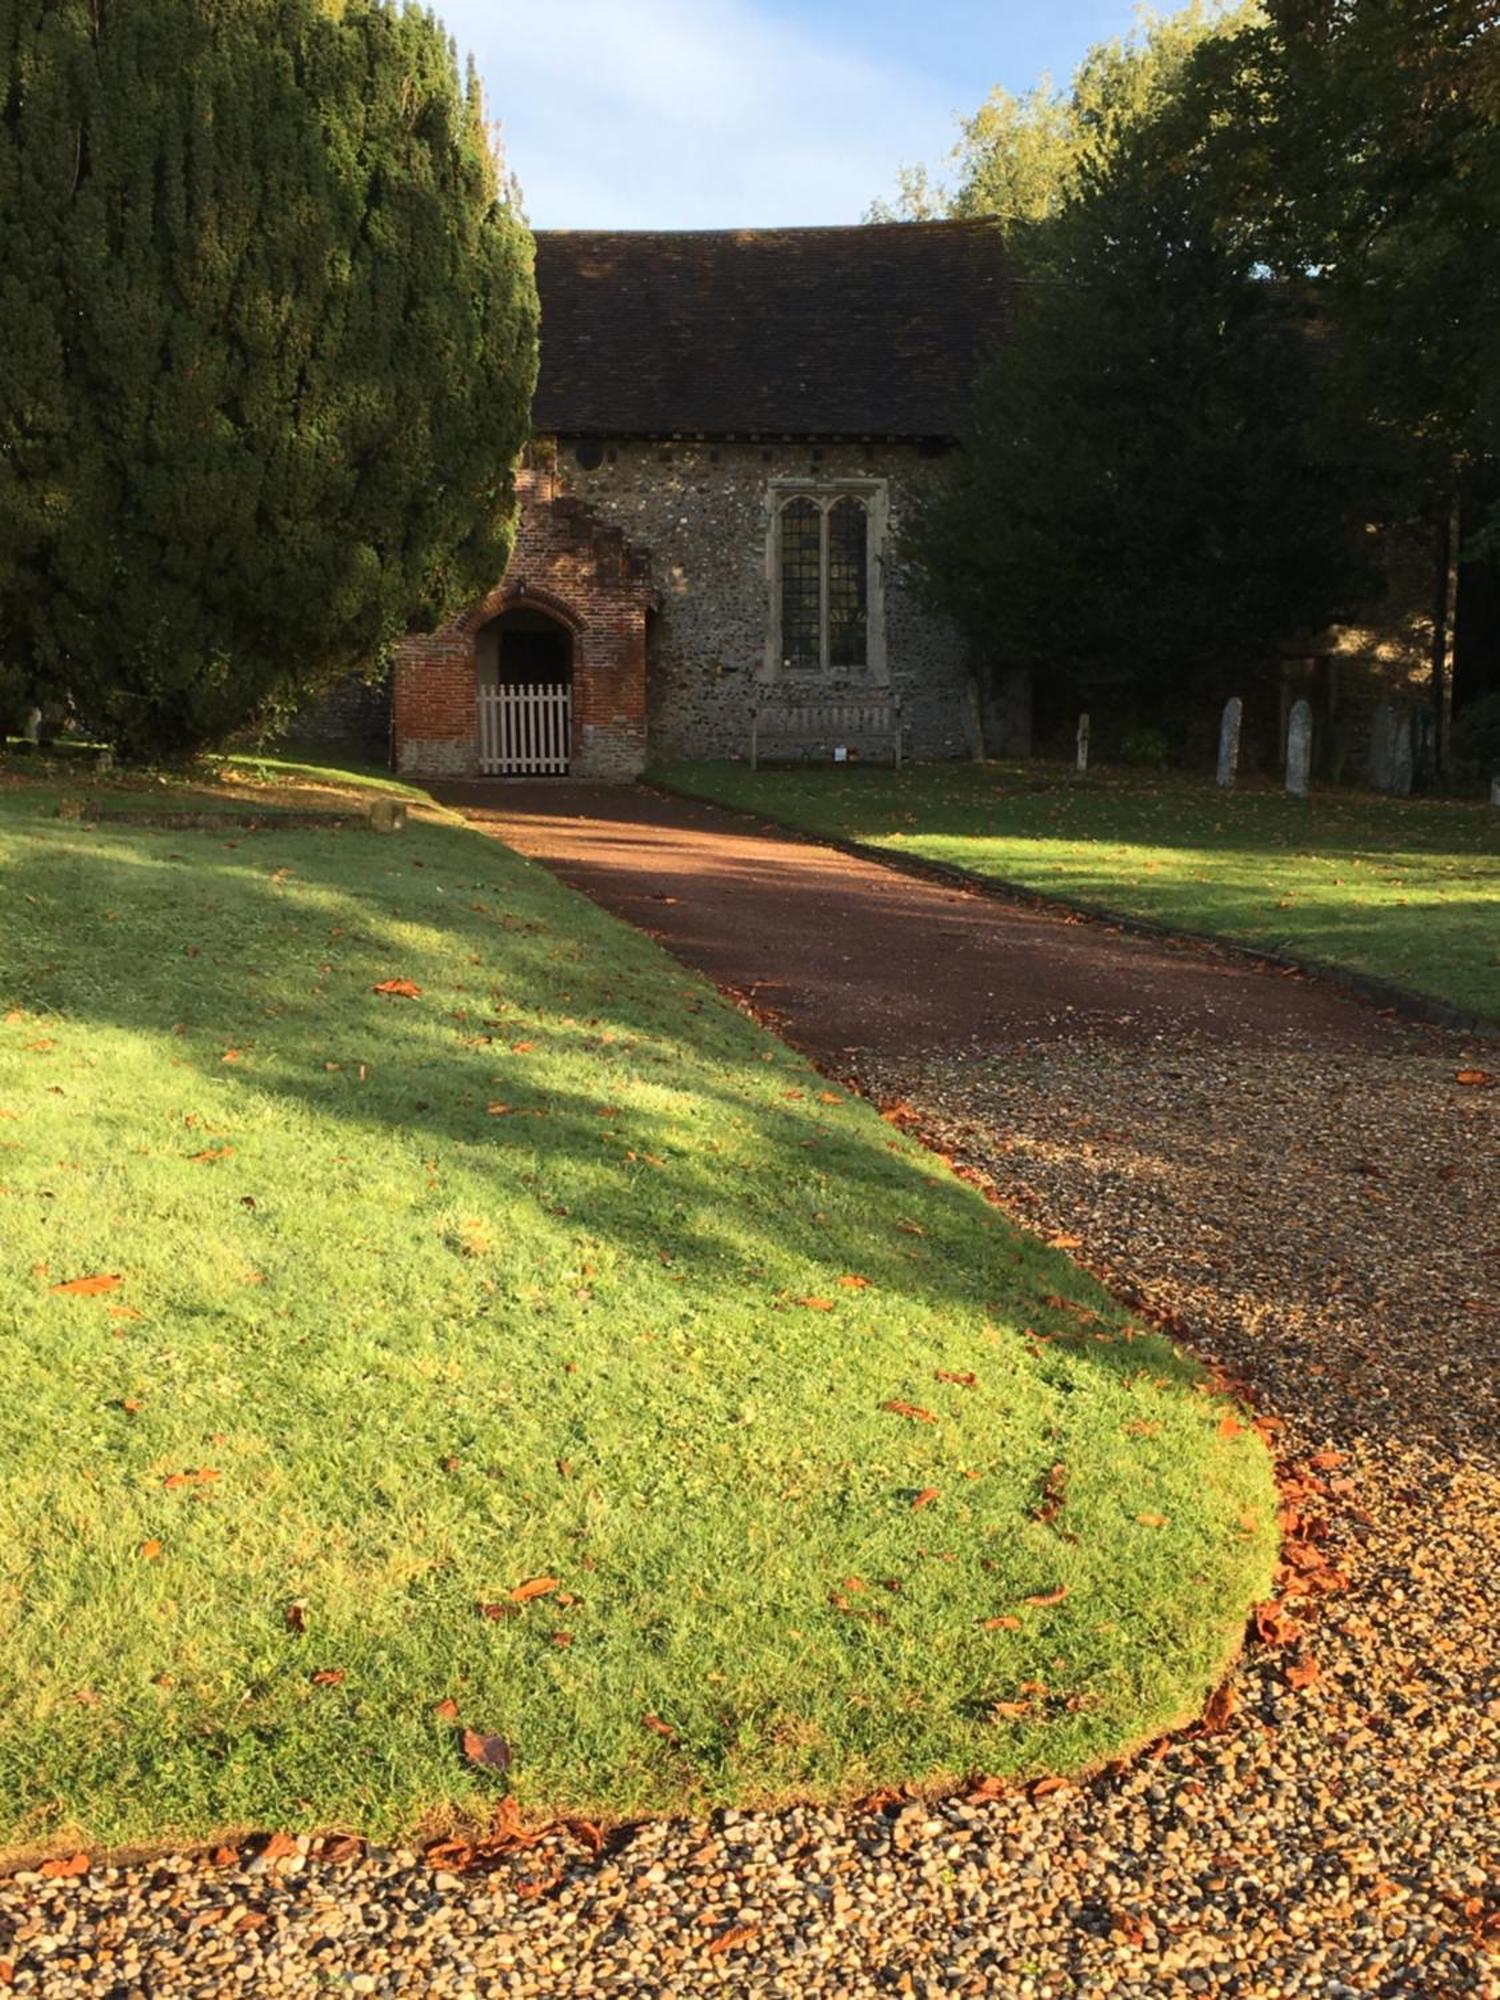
{"points": [[1040, 1787], [446, 1710], [1302, 1672], [65, 1868], [87, 1288], [522, 1048], [659, 1728], [1223, 1704], [912, 1410], [965, 1381], [210, 1156], [1474, 1078], [1230, 1427], [230, 1056], [726, 1940], [815, 1305], [1328, 1461], [924, 1499], [829, 1097], [1004, 1623], [398, 989], [1043, 1597], [852, 1282], [562, 1640], [1005, 1710], [1152, 1520], [328, 1677], [279, 1847], [149, 1551], [536, 1586], [1065, 1242], [225, 1857]]}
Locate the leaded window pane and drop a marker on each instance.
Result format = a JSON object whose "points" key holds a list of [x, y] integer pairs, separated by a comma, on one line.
{"points": [[801, 582], [848, 584]]}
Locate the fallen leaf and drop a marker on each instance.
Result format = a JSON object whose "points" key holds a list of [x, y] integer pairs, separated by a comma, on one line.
{"points": [[210, 1156], [1065, 1242], [1302, 1672], [969, 1381], [295, 1616], [815, 1305], [659, 1728], [398, 989], [562, 1639], [278, 1847], [225, 1857], [230, 1056], [1223, 1704], [852, 1282], [328, 1677], [87, 1288], [924, 1499], [911, 1410], [1474, 1078], [491, 1753], [1043, 1597], [829, 1097], [336, 1847], [1004, 1711], [522, 1048], [586, 1833], [1004, 1623], [446, 1710], [66, 1868], [1328, 1461], [536, 1586], [149, 1551], [1040, 1787], [1230, 1427], [727, 1940], [1152, 1520]]}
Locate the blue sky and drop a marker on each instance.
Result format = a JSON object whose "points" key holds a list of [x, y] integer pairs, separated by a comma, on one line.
{"points": [[682, 114]]}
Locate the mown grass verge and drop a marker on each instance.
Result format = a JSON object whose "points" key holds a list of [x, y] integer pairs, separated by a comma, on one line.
{"points": [[548, 1352], [1406, 891]]}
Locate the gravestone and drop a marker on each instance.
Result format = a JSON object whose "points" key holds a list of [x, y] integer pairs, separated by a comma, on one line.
{"points": [[1299, 749], [1390, 761], [1083, 744], [1229, 741]]}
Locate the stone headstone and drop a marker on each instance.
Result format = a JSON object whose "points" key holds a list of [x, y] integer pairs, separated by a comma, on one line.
{"points": [[1390, 761], [388, 815], [1083, 743], [1299, 749], [104, 760], [1229, 740]]}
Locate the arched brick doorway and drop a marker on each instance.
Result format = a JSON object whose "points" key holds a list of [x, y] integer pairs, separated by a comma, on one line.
{"points": [[523, 662]]}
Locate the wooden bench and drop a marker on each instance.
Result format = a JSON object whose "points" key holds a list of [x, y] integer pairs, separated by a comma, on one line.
{"points": [[823, 725]]}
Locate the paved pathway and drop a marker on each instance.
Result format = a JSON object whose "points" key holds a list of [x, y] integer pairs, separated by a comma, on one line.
{"points": [[845, 953]]}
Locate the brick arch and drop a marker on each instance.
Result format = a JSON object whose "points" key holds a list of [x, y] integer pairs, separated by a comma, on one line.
{"points": [[521, 596]]}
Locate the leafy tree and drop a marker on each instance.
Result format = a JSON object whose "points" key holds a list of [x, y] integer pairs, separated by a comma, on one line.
{"points": [[269, 348], [1020, 158], [1149, 507]]}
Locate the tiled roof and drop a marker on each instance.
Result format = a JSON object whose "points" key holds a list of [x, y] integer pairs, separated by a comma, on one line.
{"points": [[871, 330]]}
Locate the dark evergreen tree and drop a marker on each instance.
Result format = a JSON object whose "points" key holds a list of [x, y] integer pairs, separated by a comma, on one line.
{"points": [[267, 346], [1150, 506]]}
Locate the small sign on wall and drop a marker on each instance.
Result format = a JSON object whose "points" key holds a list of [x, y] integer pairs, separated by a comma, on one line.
{"points": [[840, 753]]}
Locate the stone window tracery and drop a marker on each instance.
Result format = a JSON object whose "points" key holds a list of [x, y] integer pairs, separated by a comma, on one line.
{"points": [[826, 613]]}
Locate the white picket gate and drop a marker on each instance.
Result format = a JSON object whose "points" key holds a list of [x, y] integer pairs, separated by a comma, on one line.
{"points": [[524, 731]]}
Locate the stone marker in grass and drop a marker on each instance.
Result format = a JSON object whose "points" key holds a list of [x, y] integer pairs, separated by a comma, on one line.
{"points": [[1229, 741], [1299, 749]]}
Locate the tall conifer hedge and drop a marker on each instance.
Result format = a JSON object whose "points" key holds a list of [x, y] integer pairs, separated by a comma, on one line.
{"points": [[267, 347]]}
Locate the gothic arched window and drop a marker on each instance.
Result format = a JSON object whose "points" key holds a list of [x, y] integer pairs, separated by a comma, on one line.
{"points": [[824, 571]]}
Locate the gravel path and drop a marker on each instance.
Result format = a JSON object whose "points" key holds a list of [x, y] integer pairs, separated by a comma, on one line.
{"points": [[1327, 1227]]}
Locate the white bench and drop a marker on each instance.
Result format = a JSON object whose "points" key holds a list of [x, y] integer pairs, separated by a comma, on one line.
{"points": [[824, 725]]}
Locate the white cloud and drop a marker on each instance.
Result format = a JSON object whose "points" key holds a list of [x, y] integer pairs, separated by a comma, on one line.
{"points": [[692, 113]]}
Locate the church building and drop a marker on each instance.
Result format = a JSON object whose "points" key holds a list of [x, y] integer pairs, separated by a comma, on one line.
{"points": [[726, 426]]}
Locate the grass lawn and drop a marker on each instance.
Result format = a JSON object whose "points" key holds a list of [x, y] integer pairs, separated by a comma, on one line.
{"points": [[546, 1351], [1406, 890]]}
